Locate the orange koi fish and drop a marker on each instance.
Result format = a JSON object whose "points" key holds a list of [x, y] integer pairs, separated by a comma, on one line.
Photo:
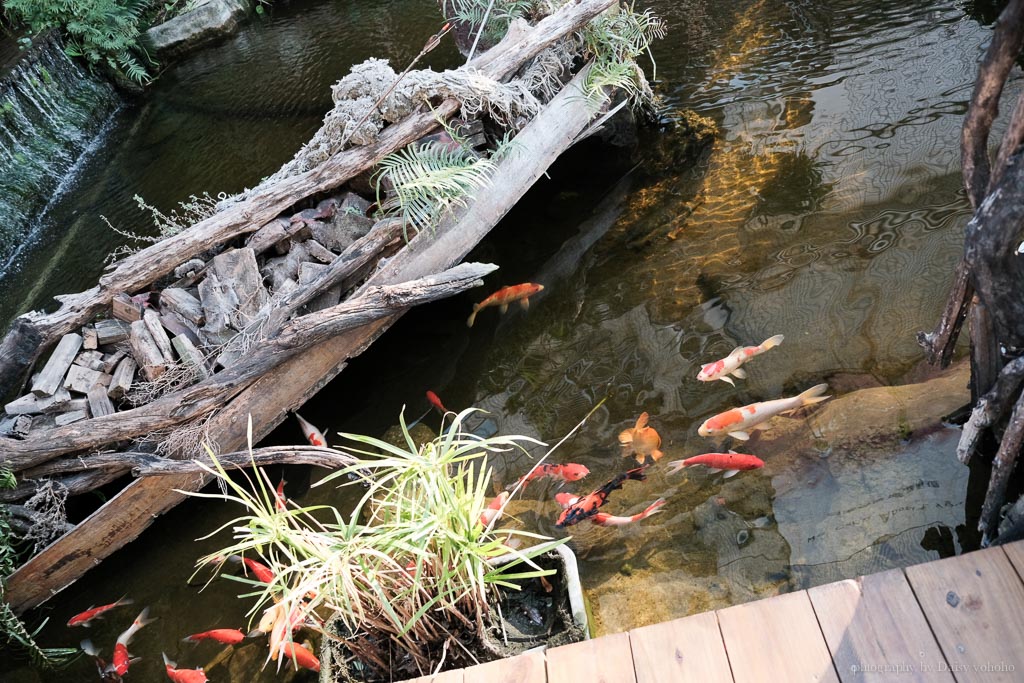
{"points": [[568, 472], [261, 571], [314, 435], [435, 401], [122, 660], [183, 675], [301, 656], [587, 506], [730, 365], [228, 636], [604, 519], [641, 441], [737, 421], [493, 511], [88, 615], [731, 462], [506, 295], [280, 502]]}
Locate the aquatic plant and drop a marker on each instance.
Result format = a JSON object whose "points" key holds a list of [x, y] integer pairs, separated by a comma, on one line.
{"points": [[409, 574], [614, 40]]}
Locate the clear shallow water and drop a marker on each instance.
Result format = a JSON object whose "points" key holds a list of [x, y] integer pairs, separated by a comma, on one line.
{"points": [[829, 210]]}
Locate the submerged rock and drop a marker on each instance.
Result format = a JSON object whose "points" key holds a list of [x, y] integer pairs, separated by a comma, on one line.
{"points": [[210, 20]]}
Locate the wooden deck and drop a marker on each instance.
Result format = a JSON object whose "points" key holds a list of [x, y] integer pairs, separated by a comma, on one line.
{"points": [[959, 619]]}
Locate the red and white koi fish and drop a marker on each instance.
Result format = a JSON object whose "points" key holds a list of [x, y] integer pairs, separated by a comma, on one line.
{"points": [[313, 435], [301, 656], [737, 421], [568, 472], [506, 295], [228, 636], [183, 675], [435, 401], [731, 463], [493, 511], [280, 502], [730, 365], [261, 571], [587, 506], [641, 441], [122, 660], [88, 615], [604, 519], [101, 664]]}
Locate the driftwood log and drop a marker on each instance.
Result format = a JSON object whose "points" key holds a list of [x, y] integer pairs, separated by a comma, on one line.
{"points": [[289, 385]]}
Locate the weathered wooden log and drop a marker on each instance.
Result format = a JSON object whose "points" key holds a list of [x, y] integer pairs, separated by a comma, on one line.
{"points": [[124, 375], [111, 331], [289, 385], [991, 408], [184, 304], [1002, 466], [23, 341], [74, 484], [30, 404], [266, 203], [146, 352]]}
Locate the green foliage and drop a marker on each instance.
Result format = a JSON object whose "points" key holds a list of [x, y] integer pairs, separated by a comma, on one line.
{"points": [[103, 32], [429, 180], [412, 565], [614, 41], [472, 12]]}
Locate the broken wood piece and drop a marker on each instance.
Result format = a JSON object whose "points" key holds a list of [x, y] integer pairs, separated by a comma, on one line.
{"points": [[237, 268], [74, 416], [319, 252], [147, 353], [180, 327], [30, 404], [81, 379], [190, 355], [122, 379], [110, 360], [51, 377], [90, 359], [219, 304], [342, 230], [184, 304], [99, 404], [125, 309], [90, 339], [159, 334], [22, 425], [111, 331], [276, 231], [308, 272]]}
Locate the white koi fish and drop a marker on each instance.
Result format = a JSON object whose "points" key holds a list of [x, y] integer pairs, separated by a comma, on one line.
{"points": [[737, 421], [730, 365], [314, 435]]}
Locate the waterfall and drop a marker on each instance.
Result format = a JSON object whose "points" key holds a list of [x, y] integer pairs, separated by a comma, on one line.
{"points": [[50, 110]]}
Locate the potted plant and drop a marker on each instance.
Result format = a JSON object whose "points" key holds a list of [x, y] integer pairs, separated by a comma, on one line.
{"points": [[420, 573]]}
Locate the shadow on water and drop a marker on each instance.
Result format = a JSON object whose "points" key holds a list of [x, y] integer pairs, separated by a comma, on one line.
{"points": [[829, 210]]}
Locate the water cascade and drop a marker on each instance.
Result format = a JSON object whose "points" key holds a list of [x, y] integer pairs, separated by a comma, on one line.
{"points": [[50, 110]]}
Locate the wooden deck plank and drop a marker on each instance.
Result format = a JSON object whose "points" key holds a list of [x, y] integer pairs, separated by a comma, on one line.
{"points": [[975, 606], [681, 651], [524, 668], [453, 676], [876, 631], [1015, 551], [777, 639], [607, 659]]}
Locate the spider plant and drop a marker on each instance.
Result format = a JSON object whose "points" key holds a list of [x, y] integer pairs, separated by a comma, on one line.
{"points": [[409, 574]]}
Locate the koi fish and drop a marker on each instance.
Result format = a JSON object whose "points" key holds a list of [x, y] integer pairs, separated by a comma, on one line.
{"points": [[737, 421], [261, 571], [228, 636], [122, 660], [435, 401], [101, 665], [730, 365], [88, 615], [641, 441], [604, 519], [283, 624], [280, 502], [567, 472], [314, 435], [506, 295], [587, 506], [183, 675], [731, 462], [301, 656], [493, 511]]}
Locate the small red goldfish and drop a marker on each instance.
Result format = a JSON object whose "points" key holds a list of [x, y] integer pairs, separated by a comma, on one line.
{"points": [[301, 656], [88, 615], [588, 505], [721, 369], [567, 472], [228, 636], [280, 502], [183, 675], [604, 519], [435, 401], [314, 435], [261, 571], [122, 660], [493, 511], [735, 422], [506, 295], [732, 462], [641, 441]]}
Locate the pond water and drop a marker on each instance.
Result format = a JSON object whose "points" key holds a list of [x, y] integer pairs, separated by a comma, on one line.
{"points": [[829, 210]]}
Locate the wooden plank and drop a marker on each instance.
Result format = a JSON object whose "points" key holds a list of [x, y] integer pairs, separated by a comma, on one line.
{"points": [[156, 330], [237, 268], [682, 650], [453, 676], [90, 359], [184, 304], [123, 376], [30, 404], [111, 331], [525, 668], [603, 660], [776, 639], [90, 340], [147, 353], [975, 606], [1014, 551], [123, 308], [190, 355], [81, 379], [876, 631], [73, 416], [52, 376], [99, 404]]}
